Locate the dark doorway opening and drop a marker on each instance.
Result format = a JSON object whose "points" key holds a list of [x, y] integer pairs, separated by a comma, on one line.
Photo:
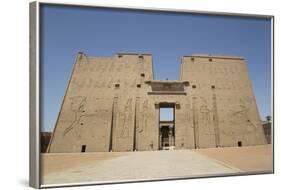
{"points": [[239, 143], [165, 136], [83, 149], [166, 126]]}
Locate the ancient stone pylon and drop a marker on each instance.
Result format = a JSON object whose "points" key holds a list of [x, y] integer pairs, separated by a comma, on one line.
{"points": [[112, 104]]}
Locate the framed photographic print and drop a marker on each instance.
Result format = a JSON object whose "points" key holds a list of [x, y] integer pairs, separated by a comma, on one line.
{"points": [[131, 94]]}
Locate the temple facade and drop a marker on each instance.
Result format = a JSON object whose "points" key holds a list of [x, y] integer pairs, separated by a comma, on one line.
{"points": [[113, 103]]}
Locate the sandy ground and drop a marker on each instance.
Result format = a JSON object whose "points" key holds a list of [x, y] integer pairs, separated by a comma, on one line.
{"points": [[53, 162], [251, 158], [118, 166]]}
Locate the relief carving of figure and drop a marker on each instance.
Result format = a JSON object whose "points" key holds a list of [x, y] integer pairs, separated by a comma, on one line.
{"points": [[126, 119], [205, 115], [110, 81], [78, 105], [188, 111], [240, 115], [143, 124]]}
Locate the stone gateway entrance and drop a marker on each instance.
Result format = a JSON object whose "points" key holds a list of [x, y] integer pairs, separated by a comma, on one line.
{"points": [[113, 103], [166, 135], [166, 126]]}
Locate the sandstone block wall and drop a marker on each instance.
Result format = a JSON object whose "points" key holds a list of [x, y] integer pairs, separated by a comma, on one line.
{"points": [[112, 104], [225, 99]]}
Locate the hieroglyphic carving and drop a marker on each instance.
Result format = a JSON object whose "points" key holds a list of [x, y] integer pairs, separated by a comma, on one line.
{"points": [[204, 116], [231, 70], [211, 70], [128, 66], [94, 66], [100, 83], [103, 83], [233, 86], [126, 82], [126, 118], [89, 83], [103, 67], [98, 67], [203, 68], [75, 82], [188, 111], [96, 84], [214, 70], [135, 68], [226, 71], [140, 67], [237, 70], [134, 83], [111, 68], [227, 86], [144, 68], [84, 69], [222, 71], [120, 67], [110, 81], [82, 82]]}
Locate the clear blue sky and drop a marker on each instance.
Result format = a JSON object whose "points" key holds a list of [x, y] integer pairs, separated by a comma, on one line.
{"points": [[167, 36]]}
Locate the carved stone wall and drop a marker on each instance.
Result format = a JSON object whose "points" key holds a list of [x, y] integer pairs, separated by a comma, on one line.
{"points": [[112, 104], [227, 105]]}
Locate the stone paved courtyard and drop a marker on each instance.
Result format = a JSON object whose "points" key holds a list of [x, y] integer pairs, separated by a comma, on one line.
{"points": [[118, 166]]}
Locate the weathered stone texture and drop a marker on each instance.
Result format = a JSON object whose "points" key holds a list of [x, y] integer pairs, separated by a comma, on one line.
{"points": [[267, 131], [112, 104]]}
